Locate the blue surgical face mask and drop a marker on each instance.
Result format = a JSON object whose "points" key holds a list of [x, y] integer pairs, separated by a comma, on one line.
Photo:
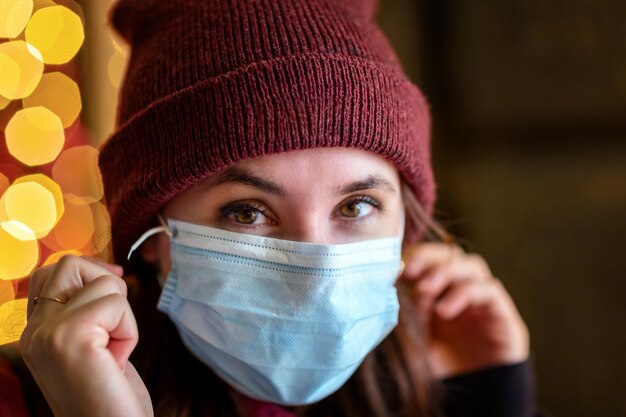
{"points": [[280, 321]]}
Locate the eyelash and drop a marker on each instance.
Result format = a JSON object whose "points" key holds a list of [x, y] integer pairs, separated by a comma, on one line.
{"points": [[238, 206], [235, 207], [364, 199], [360, 199]]}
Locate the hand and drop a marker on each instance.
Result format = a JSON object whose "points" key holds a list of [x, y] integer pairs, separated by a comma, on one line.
{"points": [[78, 350], [470, 320]]}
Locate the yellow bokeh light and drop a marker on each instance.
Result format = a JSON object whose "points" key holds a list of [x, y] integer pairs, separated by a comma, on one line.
{"points": [[18, 229], [21, 66], [73, 231], [4, 183], [117, 62], [76, 171], [12, 320], [18, 258], [117, 67], [35, 136], [56, 257], [57, 32], [73, 6], [4, 102], [119, 43], [49, 185], [102, 234], [27, 211], [7, 291], [60, 94], [14, 15], [40, 4]]}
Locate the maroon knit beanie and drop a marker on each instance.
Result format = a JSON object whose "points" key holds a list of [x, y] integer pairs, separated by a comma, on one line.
{"points": [[212, 82]]}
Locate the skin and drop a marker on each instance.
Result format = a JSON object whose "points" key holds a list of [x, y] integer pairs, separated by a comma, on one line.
{"points": [[78, 351]]}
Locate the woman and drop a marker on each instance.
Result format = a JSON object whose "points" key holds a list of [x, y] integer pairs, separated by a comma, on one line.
{"points": [[269, 182]]}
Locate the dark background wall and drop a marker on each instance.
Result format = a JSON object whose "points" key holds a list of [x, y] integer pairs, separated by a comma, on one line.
{"points": [[529, 103]]}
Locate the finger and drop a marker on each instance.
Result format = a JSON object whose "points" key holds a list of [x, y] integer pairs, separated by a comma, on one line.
{"points": [[105, 323], [420, 258], [98, 288], [70, 274], [35, 284], [465, 295], [465, 267], [36, 281], [436, 281], [115, 269]]}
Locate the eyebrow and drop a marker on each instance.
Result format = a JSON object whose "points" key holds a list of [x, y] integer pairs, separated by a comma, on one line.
{"points": [[372, 181], [242, 176], [245, 177]]}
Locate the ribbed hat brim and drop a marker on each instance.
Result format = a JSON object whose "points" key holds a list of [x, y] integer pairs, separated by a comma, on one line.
{"points": [[264, 108]]}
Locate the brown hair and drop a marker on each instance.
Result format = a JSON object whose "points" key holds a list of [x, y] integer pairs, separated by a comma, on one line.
{"points": [[393, 380]]}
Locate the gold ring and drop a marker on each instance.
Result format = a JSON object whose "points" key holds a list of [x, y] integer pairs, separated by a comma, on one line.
{"points": [[37, 299]]}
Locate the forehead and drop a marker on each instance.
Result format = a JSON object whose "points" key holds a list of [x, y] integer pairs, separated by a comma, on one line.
{"points": [[299, 176], [321, 166]]}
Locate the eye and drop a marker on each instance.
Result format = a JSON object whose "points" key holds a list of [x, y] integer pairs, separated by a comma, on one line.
{"points": [[246, 216], [246, 213], [358, 207]]}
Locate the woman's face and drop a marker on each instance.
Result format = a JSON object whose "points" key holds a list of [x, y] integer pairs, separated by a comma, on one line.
{"points": [[325, 195]]}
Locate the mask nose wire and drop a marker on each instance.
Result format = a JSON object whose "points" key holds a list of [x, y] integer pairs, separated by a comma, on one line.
{"points": [[150, 232]]}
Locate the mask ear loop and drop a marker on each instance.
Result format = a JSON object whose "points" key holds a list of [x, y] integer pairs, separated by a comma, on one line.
{"points": [[150, 232]]}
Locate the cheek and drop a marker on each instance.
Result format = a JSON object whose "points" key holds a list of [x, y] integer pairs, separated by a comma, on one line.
{"points": [[396, 217]]}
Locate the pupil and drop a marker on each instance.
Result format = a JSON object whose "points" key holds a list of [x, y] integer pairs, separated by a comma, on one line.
{"points": [[246, 216], [351, 210]]}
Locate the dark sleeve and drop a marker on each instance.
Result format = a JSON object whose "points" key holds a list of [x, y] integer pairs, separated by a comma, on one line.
{"points": [[12, 400], [499, 391], [22, 397]]}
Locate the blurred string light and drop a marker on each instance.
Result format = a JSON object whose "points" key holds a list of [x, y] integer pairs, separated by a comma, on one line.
{"points": [[21, 67], [50, 186], [18, 258], [74, 229], [14, 15], [117, 62], [40, 4], [60, 94], [27, 211], [76, 171], [56, 257], [57, 32], [83, 227], [13, 315], [7, 291], [4, 183], [102, 235], [35, 136], [31, 207], [4, 102], [44, 217]]}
